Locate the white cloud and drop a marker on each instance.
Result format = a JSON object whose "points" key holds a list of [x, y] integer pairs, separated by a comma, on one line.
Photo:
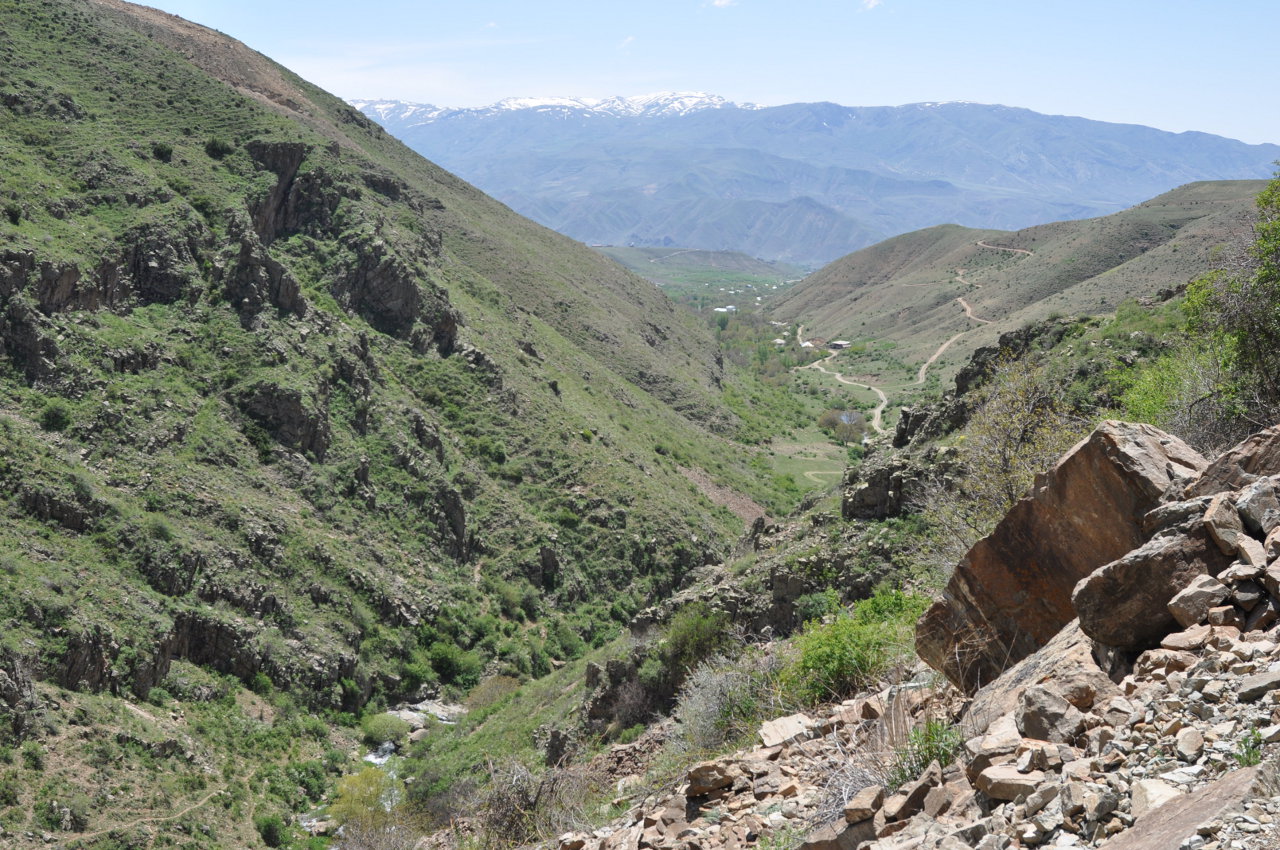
{"points": [[868, 5], [720, 4], [626, 42]]}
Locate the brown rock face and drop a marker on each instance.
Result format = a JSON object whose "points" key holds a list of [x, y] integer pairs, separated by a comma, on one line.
{"points": [[1125, 604], [1012, 592]]}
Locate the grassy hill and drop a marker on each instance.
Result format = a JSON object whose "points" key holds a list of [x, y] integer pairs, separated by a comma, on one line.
{"points": [[706, 279], [903, 296], [285, 408]]}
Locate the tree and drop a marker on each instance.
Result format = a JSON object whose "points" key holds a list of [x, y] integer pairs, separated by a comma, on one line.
{"points": [[371, 811], [1020, 425], [1223, 380]]}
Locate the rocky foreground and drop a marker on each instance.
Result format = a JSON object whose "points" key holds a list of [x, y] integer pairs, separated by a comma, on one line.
{"points": [[1118, 635]]}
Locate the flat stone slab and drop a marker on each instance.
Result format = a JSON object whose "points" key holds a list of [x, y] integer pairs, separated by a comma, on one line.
{"points": [[1166, 827], [1254, 687]]}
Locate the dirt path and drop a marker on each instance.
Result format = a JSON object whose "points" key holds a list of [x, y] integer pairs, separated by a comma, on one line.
{"points": [[960, 278], [982, 244], [814, 474], [877, 415], [924, 367], [968, 311], [154, 819]]}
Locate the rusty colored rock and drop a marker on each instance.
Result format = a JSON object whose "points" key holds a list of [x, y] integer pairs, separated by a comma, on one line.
{"points": [[1125, 603], [1012, 592]]}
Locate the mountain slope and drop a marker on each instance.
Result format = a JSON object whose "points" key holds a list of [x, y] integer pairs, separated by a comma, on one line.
{"points": [[802, 182], [922, 288], [281, 399]]}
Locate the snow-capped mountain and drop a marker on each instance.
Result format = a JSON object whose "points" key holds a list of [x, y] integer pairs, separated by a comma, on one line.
{"points": [[657, 105], [804, 182]]}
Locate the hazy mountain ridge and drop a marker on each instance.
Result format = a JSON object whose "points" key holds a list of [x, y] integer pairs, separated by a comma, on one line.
{"points": [[806, 182]]}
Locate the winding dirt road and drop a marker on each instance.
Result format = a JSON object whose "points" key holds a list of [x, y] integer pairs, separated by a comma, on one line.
{"points": [[982, 244], [877, 415], [968, 311]]}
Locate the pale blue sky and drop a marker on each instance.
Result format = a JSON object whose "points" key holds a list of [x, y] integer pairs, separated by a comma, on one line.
{"points": [[1176, 64]]}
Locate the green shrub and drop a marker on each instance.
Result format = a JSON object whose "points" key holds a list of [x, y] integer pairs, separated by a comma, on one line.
{"points": [[837, 659], [10, 788], [33, 755], [382, 728], [218, 148], [56, 415], [13, 212], [454, 665], [260, 683], [271, 828], [162, 151], [631, 733]]}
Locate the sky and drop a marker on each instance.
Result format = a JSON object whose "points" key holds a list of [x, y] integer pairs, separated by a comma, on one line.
{"points": [[1176, 64]]}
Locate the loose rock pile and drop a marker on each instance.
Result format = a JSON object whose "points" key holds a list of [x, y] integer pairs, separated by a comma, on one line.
{"points": [[1145, 724]]}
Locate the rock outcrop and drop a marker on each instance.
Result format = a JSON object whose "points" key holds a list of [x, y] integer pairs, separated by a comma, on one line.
{"points": [[1012, 592]]}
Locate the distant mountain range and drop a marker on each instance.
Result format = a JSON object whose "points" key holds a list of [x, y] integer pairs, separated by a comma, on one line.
{"points": [[805, 182]]}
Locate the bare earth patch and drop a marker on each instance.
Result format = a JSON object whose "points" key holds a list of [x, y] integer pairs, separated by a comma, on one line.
{"points": [[737, 503]]}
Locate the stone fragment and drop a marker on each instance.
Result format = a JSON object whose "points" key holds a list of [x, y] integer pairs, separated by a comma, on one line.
{"points": [[864, 804], [1164, 660], [1191, 605], [1042, 797], [999, 745], [1125, 604], [1067, 661], [1189, 639], [938, 801], [1045, 716], [784, 730], [1247, 594], [1225, 615], [1149, 794], [839, 835], [1166, 827], [1189, 744], [1224, 525], [913, 794], [1240, 571], [1254, 687], [1012, 592], [1271, 546], [1271, 579], [708, 776], [1255, 502], [1263, 616], [1004, 782], [1252, 553]]}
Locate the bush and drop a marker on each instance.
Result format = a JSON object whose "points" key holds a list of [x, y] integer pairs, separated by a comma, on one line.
{"points": [[839, 658], [162, 151], [56, 415], [936, 740], [455, 666], [218, 148], [271, 828], [33, 755], [382, 728]]}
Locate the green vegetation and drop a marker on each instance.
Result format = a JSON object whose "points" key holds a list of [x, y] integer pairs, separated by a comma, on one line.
{"points": [[837, 658]]}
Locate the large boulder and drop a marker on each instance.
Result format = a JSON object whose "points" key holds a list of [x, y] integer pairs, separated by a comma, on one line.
{"points": [[1125, 604], [1012, 592], [1257, 456], [1067, 663]]}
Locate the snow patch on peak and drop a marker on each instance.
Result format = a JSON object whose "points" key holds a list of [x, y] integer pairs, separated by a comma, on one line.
{"points": [[657, 104]]}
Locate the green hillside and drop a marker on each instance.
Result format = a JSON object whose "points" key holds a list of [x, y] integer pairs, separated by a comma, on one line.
{"points": [[283, 405]]}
